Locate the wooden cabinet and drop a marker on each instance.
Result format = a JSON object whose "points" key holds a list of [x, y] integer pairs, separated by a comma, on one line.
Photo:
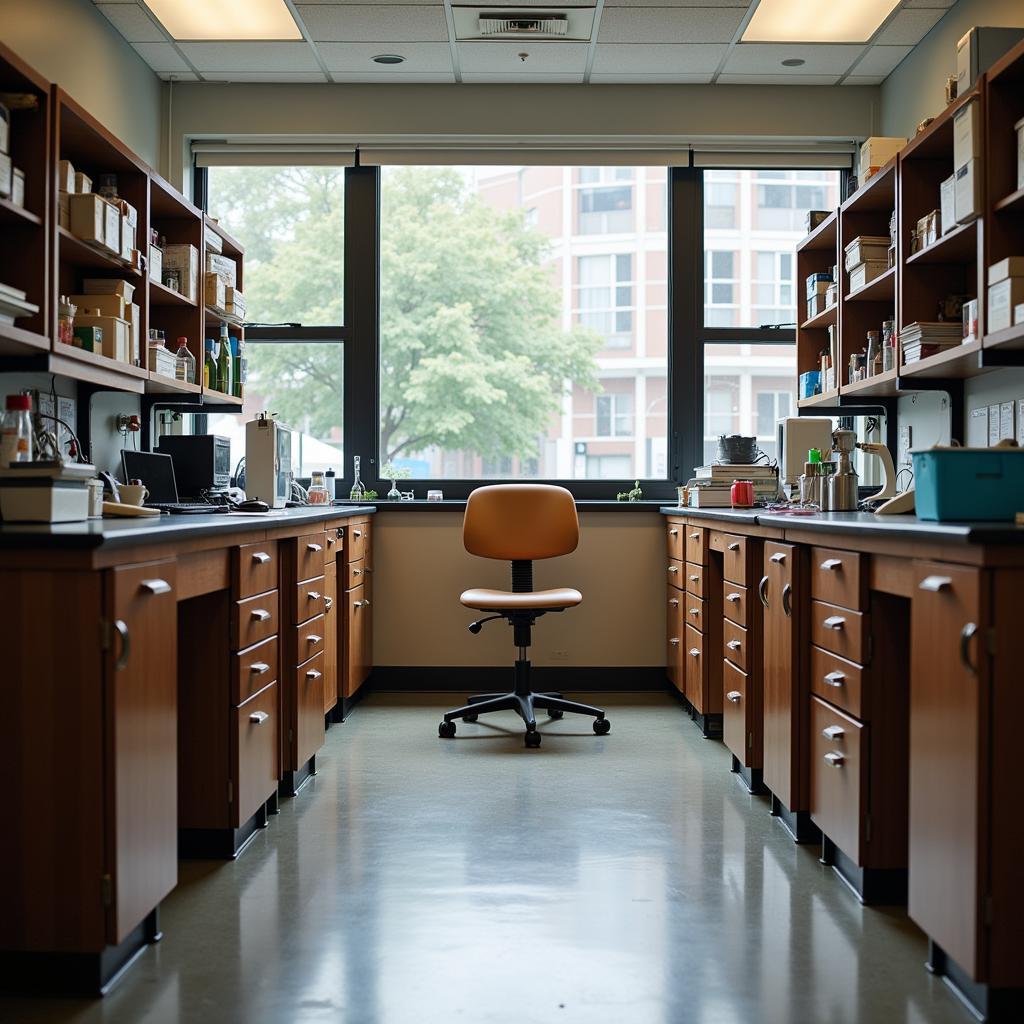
{"points": [[332, 635], [308, 719], [357, 618], [255, 569], [255, 752], [839, 777], [674, 639]]}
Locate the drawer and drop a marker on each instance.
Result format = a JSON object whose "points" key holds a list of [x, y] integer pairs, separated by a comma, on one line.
{"points": [[674, 639], [839, 577], [734, 559], [307, 600], [255, 569], [693, 660], [734, 604], [256, 747], [735, 733], [675, 574], [309, 639], [253, 620], [308, 735], [838, 777], [674, 538], [838, 681], [309, 556], [355, 573], [696, 545], [254, 668], [693, 611], [694, 579], [734, 644], [332, 545], [358, 541], [839, 630]]}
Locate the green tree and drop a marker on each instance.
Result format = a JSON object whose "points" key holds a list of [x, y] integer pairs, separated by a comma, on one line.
{"points": [[473, 356]]}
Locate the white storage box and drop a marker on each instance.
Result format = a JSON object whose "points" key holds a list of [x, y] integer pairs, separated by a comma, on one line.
{"points": [[1012, 266], [866, 247], [878, 150], [184, 259], [979, 49], [967, 197], [44, 504], [861, 274], [1003, 298], [1019, 127], [967, 133], [162, 360], [947, 204]]}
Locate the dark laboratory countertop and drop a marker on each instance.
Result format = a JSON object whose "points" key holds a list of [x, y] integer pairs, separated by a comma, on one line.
{"points": [[904, 527], [113, 532]]}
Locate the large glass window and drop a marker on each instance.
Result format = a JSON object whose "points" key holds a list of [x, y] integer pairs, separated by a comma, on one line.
{"points": [[504, 325]]}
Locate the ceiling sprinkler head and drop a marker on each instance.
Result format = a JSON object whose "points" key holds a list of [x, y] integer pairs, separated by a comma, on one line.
{"points": [[523, 56]]}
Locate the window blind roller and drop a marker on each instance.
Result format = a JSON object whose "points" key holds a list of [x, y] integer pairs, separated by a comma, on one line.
{"points": [[252, 153]]}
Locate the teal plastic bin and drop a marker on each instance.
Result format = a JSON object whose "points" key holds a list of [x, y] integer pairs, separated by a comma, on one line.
{"points": [[969, 483]]}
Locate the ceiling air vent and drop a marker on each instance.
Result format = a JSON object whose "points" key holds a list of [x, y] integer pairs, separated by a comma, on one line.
{"points": [[501, 25]]}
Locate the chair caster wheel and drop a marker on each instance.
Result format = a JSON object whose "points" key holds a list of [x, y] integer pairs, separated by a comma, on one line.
{"points": [[446, 730], [556, 714], [470, 718], [602, 726], [533, 739]]}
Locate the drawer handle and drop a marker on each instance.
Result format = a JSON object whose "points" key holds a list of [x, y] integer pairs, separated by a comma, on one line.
{"points": [[778, 558], [360, 604], [357, 533], [762, 590], [734, 696], [674, 602], [261, 557], [126, 644], [156, 586], [313, 674], [836, 622], [832, 564], [734, 645], [695, 536], [836, 679], [733, 598], [833, 732], [787, 599], [328, 603], [673, 533], [834, 759], [934, 584], [694, 652], [357, 572], [314, 547], [734, 546], [314, 639], [258, 717], [694, 579], [260, 614], [695, 612], [673, 568], [313, 595], [259, 668], [966, 635], [674, 641]]}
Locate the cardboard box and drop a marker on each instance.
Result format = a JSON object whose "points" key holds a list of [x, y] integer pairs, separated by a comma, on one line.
{"points": [[1018, 313], [967, 133], [947, 203], [235, 302], [130, 214], [156, 264], [967, 192], [5, 129], [6, 169], [1012, 266], [104, 305], [133, 314], [64, 210], [89, 218], [83, 183], [867, 271], [162, 360], [184, 259], [212, 242], [108, 286], [112, 226], [215, 293], [864, 248], [66, 176], [878, 150], [116, 334], [979, 49], [1019, 128], [224, 267], [127, 236], [18, 187], [1003, 298]]}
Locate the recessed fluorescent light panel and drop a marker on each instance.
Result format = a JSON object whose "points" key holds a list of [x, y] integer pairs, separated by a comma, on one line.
{"points": [[812, 21], [225, 19]]}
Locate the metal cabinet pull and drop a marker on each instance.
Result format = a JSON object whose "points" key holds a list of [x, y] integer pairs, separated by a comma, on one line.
{"points": [[733, 598], [833, 732], [694, 579], [357, 572], [313, 674], [674, 602], [260, 556], [787, 599], [314, 639], [259, 668], [258, 717], [156, 586], [328, 603], [694, 652], [834, 759], [734, 696], [359, 604], [674, 641], [314, 547], [734, 546], [695, 536], [366, 603], [934, 584], [836, 679], [673, 568], [966, 635], [734, 645], [260, 614], [836, 622], [695, 612], [313, 595], [673, 533], [357, 533], [778, 558], [126, 644], [762, 590], [832, 564]]}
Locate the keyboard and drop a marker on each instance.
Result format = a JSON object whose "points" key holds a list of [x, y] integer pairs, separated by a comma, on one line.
{"points": [[188, 508]]}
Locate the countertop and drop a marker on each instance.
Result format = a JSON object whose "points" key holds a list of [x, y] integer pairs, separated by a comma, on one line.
{"points": [[904, 527], [114, 532], [583, 505]]}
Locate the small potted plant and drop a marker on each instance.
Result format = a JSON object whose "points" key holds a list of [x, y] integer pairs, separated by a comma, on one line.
{"points": [[389, 471]]}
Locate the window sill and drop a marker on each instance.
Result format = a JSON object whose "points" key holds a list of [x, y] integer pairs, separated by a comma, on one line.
{"points": [[581, 504]]}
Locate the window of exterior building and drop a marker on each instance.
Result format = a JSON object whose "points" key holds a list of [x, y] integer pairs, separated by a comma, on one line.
{"points": [[605, 200], [607, 467], [605, 297], [613, 414], [720, 285]]}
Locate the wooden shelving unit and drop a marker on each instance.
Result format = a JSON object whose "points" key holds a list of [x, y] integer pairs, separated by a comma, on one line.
{"points": [[826, 398], [158, 384], [816, 254], [231, 247]]}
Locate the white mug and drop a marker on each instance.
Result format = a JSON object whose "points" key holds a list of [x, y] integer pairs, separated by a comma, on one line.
{"points": [[133, 494]]}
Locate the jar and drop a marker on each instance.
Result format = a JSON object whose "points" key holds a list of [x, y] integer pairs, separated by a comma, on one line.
{"points": [[172, 279], [66, 321], [16, 431], [318, 489]]}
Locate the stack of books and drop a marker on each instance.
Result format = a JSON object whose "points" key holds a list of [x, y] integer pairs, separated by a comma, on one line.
{"points": [[919, 340], [13, 304], [711, 486]]}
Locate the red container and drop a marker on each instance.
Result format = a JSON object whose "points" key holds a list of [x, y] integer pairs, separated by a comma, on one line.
{"points": [[742, 494]]}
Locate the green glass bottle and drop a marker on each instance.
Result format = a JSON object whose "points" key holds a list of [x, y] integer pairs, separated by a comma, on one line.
{"points": [[209, 367], [224, 362]]}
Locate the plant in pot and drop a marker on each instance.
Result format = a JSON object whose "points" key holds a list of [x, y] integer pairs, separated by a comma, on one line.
{"points": [[389, 471]]}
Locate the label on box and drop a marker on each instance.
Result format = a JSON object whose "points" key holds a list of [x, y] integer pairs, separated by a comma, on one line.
{"points": [[947, 203]]}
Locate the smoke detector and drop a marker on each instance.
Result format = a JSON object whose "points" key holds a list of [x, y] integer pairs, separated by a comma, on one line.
{"points": [[550, 24]]}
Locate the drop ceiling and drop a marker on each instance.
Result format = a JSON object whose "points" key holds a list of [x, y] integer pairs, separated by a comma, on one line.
{"points": [[632, 41]]}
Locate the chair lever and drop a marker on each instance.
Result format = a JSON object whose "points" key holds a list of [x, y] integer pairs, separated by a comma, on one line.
{"points": [[475, 627]]}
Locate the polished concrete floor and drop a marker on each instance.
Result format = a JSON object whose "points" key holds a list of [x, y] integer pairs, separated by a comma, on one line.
{"points": [[625, 878]]}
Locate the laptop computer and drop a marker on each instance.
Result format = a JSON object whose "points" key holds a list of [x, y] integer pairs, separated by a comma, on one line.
{"points": [[156, 471]]}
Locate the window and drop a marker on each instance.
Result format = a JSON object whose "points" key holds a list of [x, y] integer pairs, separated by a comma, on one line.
{"points": [[503, 343], [605, 297], [772, 300], [607, 467], [720, 283], [784, 197], [607, 209], [771, 407], [720, 199]]}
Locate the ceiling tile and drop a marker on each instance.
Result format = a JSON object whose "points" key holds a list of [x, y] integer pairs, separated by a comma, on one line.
{"points": [[695, 25], [640, 78], [356, 58], [502, 58], [880, 60], [388, 75], [781, 79], [264, 76], [863, 80], [909, 27], [353, 23], [502, 77], [523, 4], [245, 56], [674, 3], [133, 23], [658, 58], [767, 58], [161, 56], [945, 4]]}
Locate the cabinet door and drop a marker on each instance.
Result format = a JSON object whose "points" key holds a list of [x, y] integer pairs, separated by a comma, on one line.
{"points": [[674, 640], [783, 700], [331, 635], [142, 740], [354, 639], [949, 680], [309, 709]]}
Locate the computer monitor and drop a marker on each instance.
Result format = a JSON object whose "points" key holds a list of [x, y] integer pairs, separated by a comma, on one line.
{"points": [[155, 471]]}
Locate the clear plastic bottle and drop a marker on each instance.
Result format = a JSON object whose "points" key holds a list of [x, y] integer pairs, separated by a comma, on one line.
{"points": [[185, 367], [358, 490], [16, 432]]}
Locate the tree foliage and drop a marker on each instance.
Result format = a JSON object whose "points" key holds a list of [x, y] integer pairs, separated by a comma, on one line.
{"points": [[473, 356]]}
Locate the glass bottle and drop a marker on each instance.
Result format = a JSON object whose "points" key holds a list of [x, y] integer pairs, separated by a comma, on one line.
{"points": [[236, 368], [185, 367], [358, 490], [66, 321], [318, 489], [209, 366], [224, 362], [16, 432]]}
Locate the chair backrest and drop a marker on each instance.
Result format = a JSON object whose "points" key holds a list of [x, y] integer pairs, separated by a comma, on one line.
{"points": [[520, 522]]}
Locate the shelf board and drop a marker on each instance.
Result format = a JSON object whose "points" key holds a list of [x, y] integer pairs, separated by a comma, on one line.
{"points": [[955, 363], [957, 246], [936, 141], [877, 194], [881, 289], [160, 295], [212, 397], [159, 384], [215, 316], [16, 341], [883, 385], [1013, 202], [74, 250], [823, 236], [232, 247], [97, 369], [823, 319], [1009, 337], [825, 398], [11, 214]]}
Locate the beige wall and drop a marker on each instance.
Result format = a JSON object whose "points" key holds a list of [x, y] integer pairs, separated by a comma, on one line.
{"points": [[420, 568], [916, 89], [71, 43]]}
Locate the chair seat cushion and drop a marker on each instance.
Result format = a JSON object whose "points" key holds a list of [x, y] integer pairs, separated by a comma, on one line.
{"points": [[498, 600]]}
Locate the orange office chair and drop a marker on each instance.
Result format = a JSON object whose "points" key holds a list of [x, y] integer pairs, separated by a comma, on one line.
{"points": [[518, 523]]}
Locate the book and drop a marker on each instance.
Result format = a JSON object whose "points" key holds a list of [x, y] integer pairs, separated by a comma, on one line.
{"points": [[735, 472]]}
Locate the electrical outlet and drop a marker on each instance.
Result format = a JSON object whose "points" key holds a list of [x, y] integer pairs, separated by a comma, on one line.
{"points": [[906, 435], [559, 655]]}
